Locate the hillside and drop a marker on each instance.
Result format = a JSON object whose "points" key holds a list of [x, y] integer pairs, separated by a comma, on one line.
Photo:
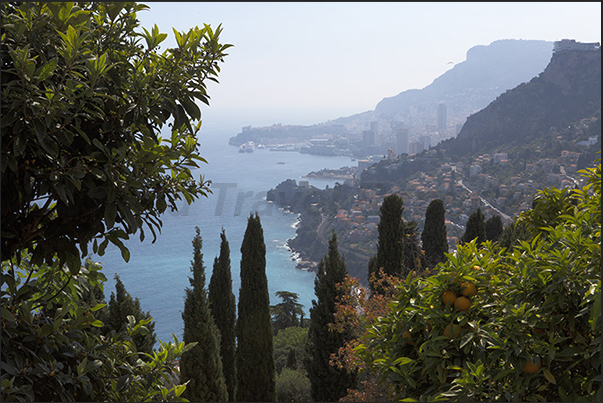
{"points": [[568, 90]]}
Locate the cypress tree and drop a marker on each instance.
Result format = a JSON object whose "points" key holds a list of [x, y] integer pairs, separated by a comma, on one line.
{"points": [[328, 383], [475, 228], [256, 376], [121, 305], [434, 237], [201, 365], [390, 251], [414, 258], [494, 228], [223, 309]]}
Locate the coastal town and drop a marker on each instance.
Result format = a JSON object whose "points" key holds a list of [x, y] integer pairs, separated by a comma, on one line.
{"points": [[462, 187]]}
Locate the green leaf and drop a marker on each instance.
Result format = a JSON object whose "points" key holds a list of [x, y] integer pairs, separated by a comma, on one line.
{"points": [[97, 323], [595, 312], [97, 307], [549, 377], [46, 70]]}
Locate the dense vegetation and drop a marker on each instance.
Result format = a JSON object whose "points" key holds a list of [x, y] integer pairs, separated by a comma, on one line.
{"points": [[84, 99], [497, 324]]}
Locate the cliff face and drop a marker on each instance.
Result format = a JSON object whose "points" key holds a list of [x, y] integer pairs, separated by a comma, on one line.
{"points": [[568, 90]]}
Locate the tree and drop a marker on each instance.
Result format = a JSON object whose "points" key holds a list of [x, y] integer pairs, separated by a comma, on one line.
{"points": [[201, 366], [328, 383], [414, 256], [121, 305], [54, 352], [84, 100], [475, 228], [514, 232], [289, 346], [254, 358], [285, 313], [292, 386], [434, 237], [223, 309], [390, 252], [533, 326], [494, 228]]}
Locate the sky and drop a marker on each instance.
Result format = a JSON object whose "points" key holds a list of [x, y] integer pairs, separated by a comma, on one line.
{"points": [[309, 62]]}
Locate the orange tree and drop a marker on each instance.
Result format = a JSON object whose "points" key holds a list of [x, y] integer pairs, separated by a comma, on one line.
{"points": [[532, 330]]}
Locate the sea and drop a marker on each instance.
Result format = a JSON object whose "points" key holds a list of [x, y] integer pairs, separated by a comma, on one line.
{"points": [[158, 273]]}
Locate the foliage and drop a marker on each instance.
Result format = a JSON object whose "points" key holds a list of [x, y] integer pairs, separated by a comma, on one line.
{"points": [[513, 233], [414, 256], [285, 313], [433, 237], [390, 251], [356, 309], [329, 383], [201, 366], [292, 385], [289, 345], [52, 349], [475, 228], [539, 301], [121, 305], [84, 99], [223, 307], [494, 228], [254, 358]]}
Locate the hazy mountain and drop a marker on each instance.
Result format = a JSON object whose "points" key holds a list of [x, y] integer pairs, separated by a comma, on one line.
{"points": [[469, 86]]}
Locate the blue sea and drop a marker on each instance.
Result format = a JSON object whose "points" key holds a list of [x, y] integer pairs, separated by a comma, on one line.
{"points": [[158, 273]]}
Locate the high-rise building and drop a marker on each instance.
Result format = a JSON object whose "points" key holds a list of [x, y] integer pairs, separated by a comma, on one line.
{"points": [[368, 138], [426, 140], [441, 117], [402, 140], [375, 130]]}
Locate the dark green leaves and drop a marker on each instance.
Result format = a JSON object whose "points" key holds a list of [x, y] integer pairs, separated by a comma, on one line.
{"points": [[83, 108]]}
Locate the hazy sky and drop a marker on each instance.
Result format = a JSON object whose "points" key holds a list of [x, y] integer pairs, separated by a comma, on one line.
{"points": [[305, 63]]}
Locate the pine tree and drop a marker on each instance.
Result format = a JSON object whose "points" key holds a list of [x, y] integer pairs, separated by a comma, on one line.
{"points": [[328, 383], [475, 228], [223, 309], [256, 376], [285, 313], [390, 251], [201, 365], [121, 305], [494, 228], [434, 237]]}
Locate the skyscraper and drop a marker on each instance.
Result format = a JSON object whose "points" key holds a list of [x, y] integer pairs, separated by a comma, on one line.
{"points": [[441, 117], [375, 130], [402, 140]]}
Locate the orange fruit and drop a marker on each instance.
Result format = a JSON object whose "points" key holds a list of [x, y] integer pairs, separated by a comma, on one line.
{"points": [[448, 297], [452, 331], [530, 367], [476, 268], [468, 289], [462, 304]]}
